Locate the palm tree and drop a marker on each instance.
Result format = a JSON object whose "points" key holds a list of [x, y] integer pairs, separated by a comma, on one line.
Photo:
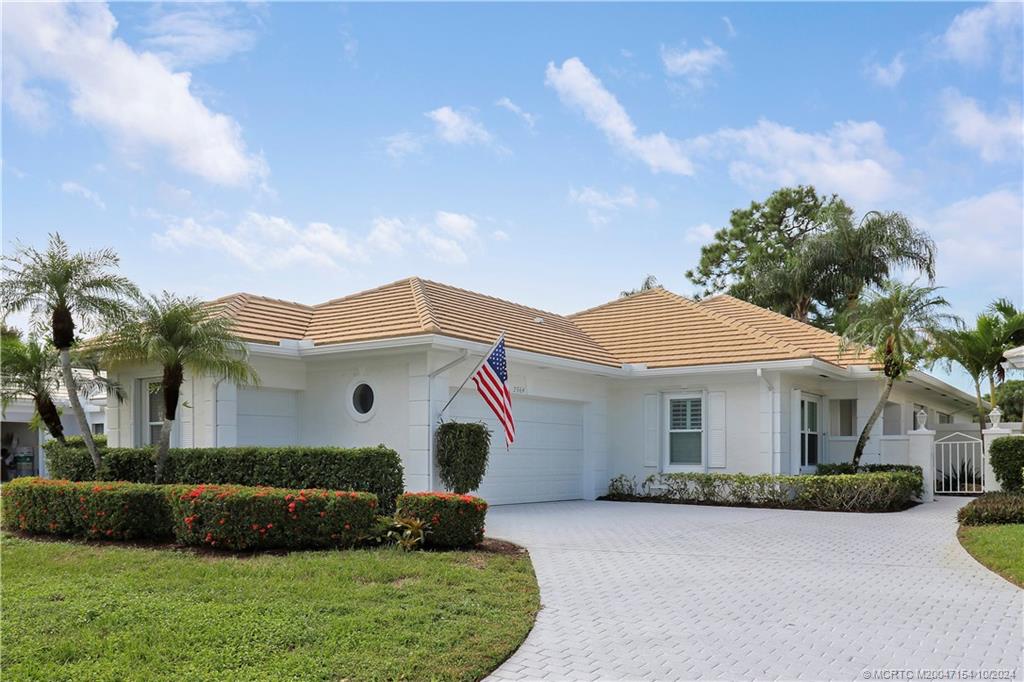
{"points": [[896, 322], [1011, 329], [179, 334], [60, 285], [31, 369], [650, 282]]}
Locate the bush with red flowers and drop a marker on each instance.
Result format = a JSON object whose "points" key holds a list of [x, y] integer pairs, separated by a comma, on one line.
{"points": [[237, 517], [454, 520], [104, 510]]}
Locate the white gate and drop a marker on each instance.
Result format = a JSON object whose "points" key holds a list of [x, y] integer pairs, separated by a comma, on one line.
{"points": [[959, 464]]}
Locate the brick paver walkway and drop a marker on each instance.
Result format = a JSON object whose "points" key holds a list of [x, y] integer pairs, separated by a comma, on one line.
{"points": [[649, 591]]}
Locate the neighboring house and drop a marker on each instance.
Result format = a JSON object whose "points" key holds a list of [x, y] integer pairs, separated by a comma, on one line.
{"points": [[16, 435], [652, 382], [1014, 358]]}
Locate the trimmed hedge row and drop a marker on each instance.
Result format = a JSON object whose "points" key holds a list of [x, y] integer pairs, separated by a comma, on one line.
{"points": [[118, 511], [866, 492], [1007, 458], [848, 468], [993, 508], [237, 517], [454, 520], [232, 517], [377, 470]]}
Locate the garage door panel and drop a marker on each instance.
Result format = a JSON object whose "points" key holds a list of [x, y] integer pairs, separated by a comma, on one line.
{"points": [[546, 461]]}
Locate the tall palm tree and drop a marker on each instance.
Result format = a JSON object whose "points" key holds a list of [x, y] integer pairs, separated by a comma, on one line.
{"points": [[180, 335], [896, 322], [975, 350], [31, 369], [60, 286], [1011, 329]]}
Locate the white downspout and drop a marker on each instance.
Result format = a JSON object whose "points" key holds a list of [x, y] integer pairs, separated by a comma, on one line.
{"points": [[776, 464]]}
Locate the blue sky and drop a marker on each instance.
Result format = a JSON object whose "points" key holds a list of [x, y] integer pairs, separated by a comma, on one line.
{"points": [[549, 154]]}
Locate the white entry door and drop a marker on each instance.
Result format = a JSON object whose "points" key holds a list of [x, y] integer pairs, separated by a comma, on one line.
{"points": [[810, 432], [546, 461]]}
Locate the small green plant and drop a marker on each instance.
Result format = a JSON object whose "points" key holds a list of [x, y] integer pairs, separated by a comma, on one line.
{"points": [[993, 508], [623, 487], [462, 455], [453, 520], [409, 533]]}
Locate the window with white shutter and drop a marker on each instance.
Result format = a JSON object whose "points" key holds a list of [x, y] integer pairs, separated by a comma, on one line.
{"points": [[685, 423]]}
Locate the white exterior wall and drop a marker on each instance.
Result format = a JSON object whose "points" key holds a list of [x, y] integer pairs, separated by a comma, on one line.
{"points": [[746, 449]]}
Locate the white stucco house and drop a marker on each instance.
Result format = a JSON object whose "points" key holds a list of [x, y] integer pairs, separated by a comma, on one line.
{"points": [[652, 382]]}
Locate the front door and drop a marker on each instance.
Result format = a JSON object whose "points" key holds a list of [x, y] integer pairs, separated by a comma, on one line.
{"points": [[810, 432]]}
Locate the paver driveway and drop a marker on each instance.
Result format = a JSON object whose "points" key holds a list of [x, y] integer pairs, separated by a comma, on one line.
{"points": [[653, 591]]}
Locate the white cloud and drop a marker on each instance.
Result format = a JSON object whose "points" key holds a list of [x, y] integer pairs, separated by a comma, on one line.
{"points": [[184, 36], [75, 189], [976, 34], [578, 87], [401, 145], [979, 244], [695, 65], [500, 236], [700, 234], [601, 207], [994, 136], [887, 75], [456, 224], [729, 28], [263, 242], [529, 119], [131, 95], [456, 127], [853, 158]]}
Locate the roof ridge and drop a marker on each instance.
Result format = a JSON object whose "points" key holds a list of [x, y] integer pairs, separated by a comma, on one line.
{"points": [[245, 296], [493, 298], [403, 280], [620, 299], [424, 307], [787, 318], [743, 326]]}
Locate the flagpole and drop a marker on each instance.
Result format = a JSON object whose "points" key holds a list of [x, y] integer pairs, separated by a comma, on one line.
{"points": [[470, 375]]}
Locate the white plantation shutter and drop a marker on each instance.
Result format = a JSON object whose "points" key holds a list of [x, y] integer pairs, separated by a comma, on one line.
{"points": [[652, 432], [186, 415], [716, 429]]}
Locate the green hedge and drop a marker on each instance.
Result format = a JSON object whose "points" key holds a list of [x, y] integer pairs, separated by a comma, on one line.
{"points": [[1007, 458], [239, 518], [377, 470], [993, 508], [848, 468], [866, 492], [453, 520], [230, 517], [462, 451], [117, 511]]}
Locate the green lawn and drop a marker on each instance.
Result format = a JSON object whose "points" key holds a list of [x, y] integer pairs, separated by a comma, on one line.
{"points": [[1000, 548], [86, 612]]}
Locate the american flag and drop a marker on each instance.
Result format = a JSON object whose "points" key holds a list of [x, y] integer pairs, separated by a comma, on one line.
{"points": [[491, 381]]}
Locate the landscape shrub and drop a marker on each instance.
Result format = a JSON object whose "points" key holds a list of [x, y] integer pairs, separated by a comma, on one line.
{"points": [[377, 470], [848, 468], [462, 455], [116, 511], [993, 508], [862, 492], [70, 460], [1007, 458], [241, 517], [454, 520]]}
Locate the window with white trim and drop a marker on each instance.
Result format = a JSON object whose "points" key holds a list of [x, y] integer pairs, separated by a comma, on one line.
{"points": [[844, 416], [152, 411], [685, 431], [944, 418]]}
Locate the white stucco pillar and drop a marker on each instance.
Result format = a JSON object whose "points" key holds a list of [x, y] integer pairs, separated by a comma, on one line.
{"points": [[991, 484], [921, 453]]}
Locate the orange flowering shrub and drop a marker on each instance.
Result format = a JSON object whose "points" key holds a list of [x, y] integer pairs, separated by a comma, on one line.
{"points": [[104, 510], [237, 517], [454, 520]]}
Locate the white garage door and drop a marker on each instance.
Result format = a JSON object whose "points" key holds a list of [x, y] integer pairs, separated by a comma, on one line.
{"points": [[546, 461], [268, 416]]}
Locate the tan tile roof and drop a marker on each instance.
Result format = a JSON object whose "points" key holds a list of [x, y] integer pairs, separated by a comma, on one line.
{"points": [[411, 307], [264, 320], [656, 327], [820, 343], [662, 329]]}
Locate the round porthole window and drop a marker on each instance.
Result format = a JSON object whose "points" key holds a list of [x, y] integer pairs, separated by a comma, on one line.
{"points": [[362, 399]]}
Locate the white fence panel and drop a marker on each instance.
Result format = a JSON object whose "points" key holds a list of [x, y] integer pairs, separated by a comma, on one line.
{"points": [[959, 464]]}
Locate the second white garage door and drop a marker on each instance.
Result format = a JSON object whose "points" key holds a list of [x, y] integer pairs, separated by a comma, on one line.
{"points": [[546, 461]]}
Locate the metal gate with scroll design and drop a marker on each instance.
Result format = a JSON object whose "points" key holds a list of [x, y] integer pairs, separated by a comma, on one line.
{"points": [[959, 464]]}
